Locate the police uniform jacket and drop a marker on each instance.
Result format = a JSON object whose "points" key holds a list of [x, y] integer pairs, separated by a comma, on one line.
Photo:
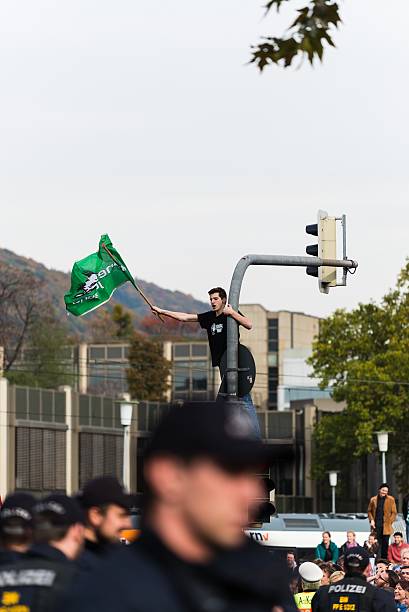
{"points": [[352, 594], [146, 577], [36, 582]]}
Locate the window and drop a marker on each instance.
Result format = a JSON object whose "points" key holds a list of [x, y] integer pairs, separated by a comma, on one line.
{"points": [[40, 459], [97, 352], [272, 335], [199, 381], [181, 350], [114, 352], [272, 386], [199, 350], [181, 379]]}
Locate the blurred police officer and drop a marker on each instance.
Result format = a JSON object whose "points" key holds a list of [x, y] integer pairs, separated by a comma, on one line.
{"points": [[200, 472], [39, 581], [311, 576], [107, 512], [16, 526], [353, 592]]}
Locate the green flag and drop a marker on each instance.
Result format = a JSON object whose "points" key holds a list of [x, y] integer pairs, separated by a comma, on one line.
{"points": [[95, 278]]}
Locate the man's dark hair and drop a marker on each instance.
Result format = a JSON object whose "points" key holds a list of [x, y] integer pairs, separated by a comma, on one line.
{"points": [[398, 533], [384, 485], [15, 531], [328, 567], [393, 578], [222, 293], [45, 531], [384, 561]]}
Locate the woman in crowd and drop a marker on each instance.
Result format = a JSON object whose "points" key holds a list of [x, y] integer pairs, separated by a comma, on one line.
{"points": [[327, 550], [402, 595], [350, 543]]}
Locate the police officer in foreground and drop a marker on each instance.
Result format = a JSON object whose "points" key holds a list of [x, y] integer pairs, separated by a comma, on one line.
{"points": [[16, 526], [39, 581], [353, 593], [201, 477], [311, 576]]}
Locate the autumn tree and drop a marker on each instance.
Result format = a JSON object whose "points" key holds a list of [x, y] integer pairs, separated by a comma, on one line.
{"points": [[169, 329], [44, 361], [111, 325], [148, 370], [308, 33], [363, 355], [20, 301]]}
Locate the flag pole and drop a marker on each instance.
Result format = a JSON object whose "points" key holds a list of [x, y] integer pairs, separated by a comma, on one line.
{"points": [[139, 290]]}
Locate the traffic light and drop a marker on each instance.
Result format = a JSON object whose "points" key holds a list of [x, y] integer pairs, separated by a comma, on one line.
{"points": [[265, 506], [326, 248]]}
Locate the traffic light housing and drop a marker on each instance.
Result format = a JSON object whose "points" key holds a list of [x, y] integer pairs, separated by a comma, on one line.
{"points": [[325, 248], [265, 506]]}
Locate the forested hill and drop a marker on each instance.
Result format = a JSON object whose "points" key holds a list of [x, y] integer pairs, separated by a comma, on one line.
{"points": [[56, 283]]}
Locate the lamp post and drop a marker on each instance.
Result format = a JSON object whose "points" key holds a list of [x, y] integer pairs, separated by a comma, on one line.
{"points": [[333, 481], [126, 407], [383, 438]]}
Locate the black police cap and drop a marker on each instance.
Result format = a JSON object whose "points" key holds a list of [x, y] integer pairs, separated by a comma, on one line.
{"points": [[18, 505], [59, 511], [104, 490], [221, 431], [356, 558]]}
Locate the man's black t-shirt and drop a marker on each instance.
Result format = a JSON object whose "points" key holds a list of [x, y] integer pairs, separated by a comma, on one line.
{"points": [[216, 327]]}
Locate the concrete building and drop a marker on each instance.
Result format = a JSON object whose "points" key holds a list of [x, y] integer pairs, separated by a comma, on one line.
{"points": [[82, 423], [275, 334], [55, 440]]}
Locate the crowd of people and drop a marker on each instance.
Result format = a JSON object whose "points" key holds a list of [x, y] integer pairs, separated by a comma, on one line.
{"points": [[201, 468], [333, 565]]}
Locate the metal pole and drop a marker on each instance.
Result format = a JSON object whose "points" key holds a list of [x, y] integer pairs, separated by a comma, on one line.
{"points": [[383, 467], [234, 298], [333, 500], [126, 474]]}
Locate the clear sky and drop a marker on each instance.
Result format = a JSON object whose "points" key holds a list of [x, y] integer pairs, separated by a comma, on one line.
{"points": [[142, 119]]}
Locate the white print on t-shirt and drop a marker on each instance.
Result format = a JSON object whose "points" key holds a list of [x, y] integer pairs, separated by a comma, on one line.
{"points": [[216, 329]]}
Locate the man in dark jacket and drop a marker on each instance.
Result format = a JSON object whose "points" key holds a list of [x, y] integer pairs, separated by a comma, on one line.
{"points": [[39, 581], [201, 477], [353, 593], [106, 508]]}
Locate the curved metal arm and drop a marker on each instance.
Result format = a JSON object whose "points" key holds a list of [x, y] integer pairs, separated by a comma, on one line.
{"points": [[234, 298]]}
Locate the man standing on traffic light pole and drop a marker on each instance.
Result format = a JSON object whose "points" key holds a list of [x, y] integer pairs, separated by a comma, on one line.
{"points": [[214, 322]]}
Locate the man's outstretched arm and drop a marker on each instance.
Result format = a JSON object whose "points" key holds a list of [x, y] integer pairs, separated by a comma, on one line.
{"points": [[185, 317], [241, 319]]}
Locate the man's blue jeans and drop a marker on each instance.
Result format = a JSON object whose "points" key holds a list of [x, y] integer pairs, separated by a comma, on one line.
{"points": [[251, 411]]}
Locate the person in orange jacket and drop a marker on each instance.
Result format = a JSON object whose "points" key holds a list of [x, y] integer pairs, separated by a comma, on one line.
{"points": [[382, 514]]}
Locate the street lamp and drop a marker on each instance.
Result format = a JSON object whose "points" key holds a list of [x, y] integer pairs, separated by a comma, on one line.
{"points": [[126, 407], [383, 438], [333, 481]]}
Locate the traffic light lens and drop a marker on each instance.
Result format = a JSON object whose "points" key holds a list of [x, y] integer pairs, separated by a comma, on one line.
{"points": [[312, 229], [312, 249], [312, 270]]}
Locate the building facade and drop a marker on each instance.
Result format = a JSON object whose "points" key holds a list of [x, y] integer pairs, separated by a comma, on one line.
{"points": [[273, 336], [56, 440]]}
